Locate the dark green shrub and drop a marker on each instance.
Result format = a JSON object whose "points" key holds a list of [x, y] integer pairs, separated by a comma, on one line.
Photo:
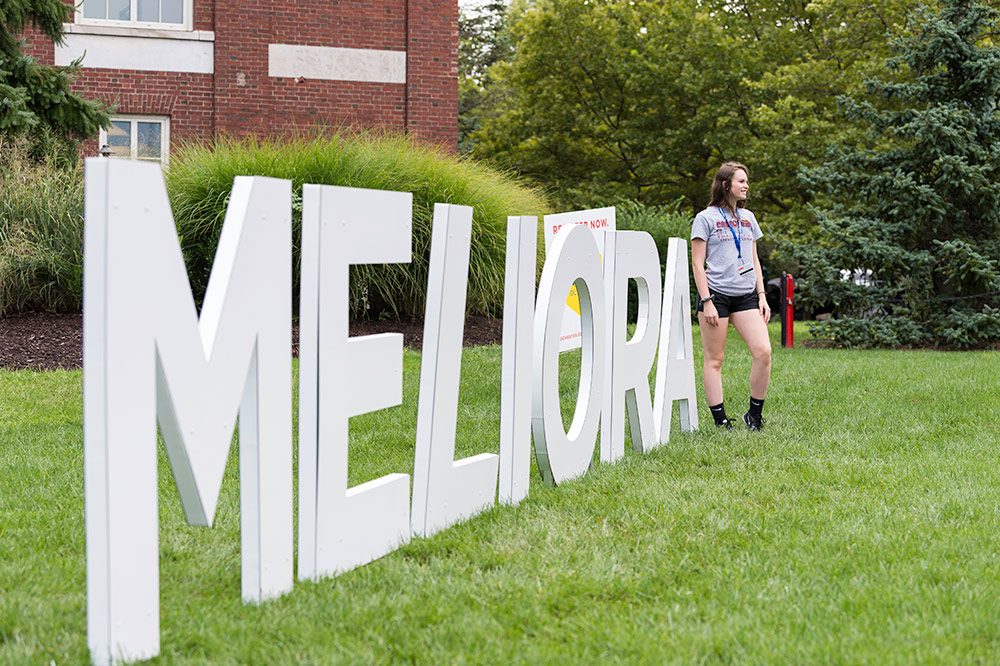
{"points": [[887, 331], [662, 223], [200, 178]]}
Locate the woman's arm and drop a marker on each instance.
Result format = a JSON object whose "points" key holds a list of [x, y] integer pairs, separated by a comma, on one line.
{"points": [[762, 306], [699, 248]]}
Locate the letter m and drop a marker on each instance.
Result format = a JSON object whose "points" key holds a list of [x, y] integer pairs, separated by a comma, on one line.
{"points": [[148, 358]]}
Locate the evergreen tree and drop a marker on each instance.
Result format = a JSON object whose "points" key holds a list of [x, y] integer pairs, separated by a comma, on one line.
{"points": [[35, 99], [909, 244]]}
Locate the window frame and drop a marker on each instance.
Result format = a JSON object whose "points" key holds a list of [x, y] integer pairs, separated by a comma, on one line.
{"points": [[187, 7], [133, 120]]}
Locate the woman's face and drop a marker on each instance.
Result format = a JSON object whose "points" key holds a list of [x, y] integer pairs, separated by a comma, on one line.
{"points": [[739, 185]]}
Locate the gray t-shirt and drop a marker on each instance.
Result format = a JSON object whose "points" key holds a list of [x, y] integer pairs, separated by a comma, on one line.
{"points": [[721, 257]]}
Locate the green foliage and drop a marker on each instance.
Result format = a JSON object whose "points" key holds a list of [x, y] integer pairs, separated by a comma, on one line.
{"points": [[840, 535], [200, 179], [34, 97], [591, 106], [921, 210], [660, 222], [41, 230], [644, 99], [882, 331], [483, 41]]}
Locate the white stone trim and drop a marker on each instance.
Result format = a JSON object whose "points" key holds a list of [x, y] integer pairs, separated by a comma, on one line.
{"points": [[120, 31], [336, 64], [103, 51]]}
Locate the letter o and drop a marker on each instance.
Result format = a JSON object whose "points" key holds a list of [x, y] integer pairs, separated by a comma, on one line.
{"points": [[574, 258]]}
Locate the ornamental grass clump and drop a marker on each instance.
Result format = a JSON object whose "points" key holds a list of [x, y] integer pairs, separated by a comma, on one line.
{"points": [[200, 179], [41, 232]]}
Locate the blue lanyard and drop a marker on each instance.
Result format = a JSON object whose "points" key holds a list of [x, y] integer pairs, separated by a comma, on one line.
{"points": [[739, 250]]}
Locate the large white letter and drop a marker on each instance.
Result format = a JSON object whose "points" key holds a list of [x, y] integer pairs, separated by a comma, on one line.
{"points": [[339, 377], [147, 356], [627, 255], [675, 365], [574, 258], [515, 379], [445, 490]]}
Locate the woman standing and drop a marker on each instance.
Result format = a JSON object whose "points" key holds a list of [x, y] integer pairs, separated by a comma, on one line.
{"points": [[731, 288]]}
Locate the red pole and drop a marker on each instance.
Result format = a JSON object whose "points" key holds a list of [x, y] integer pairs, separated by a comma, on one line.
{"points": [[788, 316]]}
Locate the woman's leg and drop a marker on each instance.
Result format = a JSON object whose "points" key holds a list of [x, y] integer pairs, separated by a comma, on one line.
{"points": [[713, 341], [751, 327]]}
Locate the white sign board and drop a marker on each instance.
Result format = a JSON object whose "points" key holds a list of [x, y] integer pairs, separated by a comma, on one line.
{"points": [[598, 220]]}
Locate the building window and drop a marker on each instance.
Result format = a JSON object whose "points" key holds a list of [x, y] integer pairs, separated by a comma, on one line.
{"points": [[145, 138], [168, 14]]}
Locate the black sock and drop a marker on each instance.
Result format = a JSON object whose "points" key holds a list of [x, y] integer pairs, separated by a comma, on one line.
{"points": [[756, 406], [718, 412]]}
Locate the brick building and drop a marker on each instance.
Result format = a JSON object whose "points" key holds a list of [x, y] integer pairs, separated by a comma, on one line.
{"points": [[197, 69]]}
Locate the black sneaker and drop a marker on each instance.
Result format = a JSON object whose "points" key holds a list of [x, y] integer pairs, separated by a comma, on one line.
{"points": [[725, 423], [753, 422]]}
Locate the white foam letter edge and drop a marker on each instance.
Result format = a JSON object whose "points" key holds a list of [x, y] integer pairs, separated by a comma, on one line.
{"points": [[573, 258], [515, 374], [147, 356], [445, 490], [630, 255], [339, 377], [675, 364]]}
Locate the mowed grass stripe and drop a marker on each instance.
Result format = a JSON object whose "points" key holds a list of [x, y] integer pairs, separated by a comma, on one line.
{"points": [[863, 526]]}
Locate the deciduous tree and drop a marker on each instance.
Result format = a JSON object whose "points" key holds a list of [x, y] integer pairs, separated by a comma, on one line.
{"points": [[484, 42], [643, 99]]}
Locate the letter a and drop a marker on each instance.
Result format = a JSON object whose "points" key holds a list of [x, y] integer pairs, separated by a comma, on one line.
{"points": [[675, 362]]}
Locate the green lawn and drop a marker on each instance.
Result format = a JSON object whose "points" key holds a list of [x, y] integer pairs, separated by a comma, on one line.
{"points": [[861, 527]]}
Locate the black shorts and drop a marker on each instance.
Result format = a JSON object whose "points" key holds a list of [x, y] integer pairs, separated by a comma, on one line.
{"points": [[729, 304]]}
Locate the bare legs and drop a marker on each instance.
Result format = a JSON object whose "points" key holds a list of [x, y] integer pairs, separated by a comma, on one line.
{"points": [[751, 327], [713, 340]]}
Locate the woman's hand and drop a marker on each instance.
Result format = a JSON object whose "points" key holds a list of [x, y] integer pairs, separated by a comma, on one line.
{"points": [[763, 307], [711, 314]]}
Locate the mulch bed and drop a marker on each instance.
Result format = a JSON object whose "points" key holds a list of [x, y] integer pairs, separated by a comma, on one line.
{"points": [[48, 341]]}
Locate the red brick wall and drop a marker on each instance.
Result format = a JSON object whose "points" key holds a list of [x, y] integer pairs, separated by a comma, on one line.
{"points": [[243, 101], [240, 98], [359, 24], [257, 103], [432, 71], [204, 14], [186, 98], [38, 46]]}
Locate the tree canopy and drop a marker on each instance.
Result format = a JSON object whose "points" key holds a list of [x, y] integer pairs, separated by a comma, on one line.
{"points": [[34, 98], [643, 99], [484, 42]]}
